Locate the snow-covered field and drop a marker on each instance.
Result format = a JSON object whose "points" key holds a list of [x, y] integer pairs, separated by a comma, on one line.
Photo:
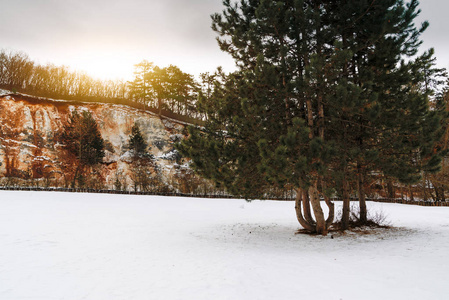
{"points": [[108, 247]]}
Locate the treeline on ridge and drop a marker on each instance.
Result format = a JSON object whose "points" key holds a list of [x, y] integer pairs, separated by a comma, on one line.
{"points": [[167, 91]]}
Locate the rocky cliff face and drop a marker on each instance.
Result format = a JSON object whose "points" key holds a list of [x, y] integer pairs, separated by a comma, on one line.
{"points": [[30, 151]]}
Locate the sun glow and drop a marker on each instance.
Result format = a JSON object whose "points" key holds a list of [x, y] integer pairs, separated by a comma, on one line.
{"points": [[116, 62], [104, 66]]}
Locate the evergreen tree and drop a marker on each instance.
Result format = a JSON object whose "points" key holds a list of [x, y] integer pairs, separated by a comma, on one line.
{"points": [[322, 98], [136, 142], [172, 88], [82, 140], [144, 170], [440, 180], [163, 88], [181, 90], [375, 99], [140, 88]]}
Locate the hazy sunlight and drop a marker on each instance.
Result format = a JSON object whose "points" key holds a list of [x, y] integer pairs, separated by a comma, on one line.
{"points": [[103, 66]]}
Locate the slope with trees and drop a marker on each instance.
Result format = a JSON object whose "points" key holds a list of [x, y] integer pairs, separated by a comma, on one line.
{"points": [[166, 91]]}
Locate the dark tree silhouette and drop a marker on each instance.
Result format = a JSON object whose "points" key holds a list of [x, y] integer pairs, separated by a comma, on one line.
{"points": [[83, 143]]}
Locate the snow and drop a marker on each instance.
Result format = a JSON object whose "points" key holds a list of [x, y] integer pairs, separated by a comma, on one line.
{"points": [[171, 155], [4, 92], [126, 157], [104, 247]]}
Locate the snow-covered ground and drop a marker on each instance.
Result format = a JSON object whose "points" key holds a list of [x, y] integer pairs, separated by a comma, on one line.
{"points": [[108, 247]]}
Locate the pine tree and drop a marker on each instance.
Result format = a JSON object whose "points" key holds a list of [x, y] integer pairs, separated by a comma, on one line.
{"points": [[181, 90], [144, 169], [374, 99], [82, 140], [136, 142], [323, 97], [172, 88], [140, 87]]}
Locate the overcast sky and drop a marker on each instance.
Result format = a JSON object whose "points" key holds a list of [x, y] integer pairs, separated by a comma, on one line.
{"points": [[107, 37]]}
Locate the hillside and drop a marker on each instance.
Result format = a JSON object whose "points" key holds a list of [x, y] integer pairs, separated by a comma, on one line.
{"points": [[30, 152]]}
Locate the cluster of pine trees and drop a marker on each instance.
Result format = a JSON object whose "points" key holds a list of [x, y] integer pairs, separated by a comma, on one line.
{"points": [[164, 88], [329, 95], [82, 149]]}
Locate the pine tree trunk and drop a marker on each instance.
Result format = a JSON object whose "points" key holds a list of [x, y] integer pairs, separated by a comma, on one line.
{"points": [[346, 206], [75, 177], [424, 189], [310, 117], [321, 118], [430, 189], [439, 191], [306, 208], [317, 210], [159, 106], [362, 200], [390, 188], [331, 206], [299, 198]]}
